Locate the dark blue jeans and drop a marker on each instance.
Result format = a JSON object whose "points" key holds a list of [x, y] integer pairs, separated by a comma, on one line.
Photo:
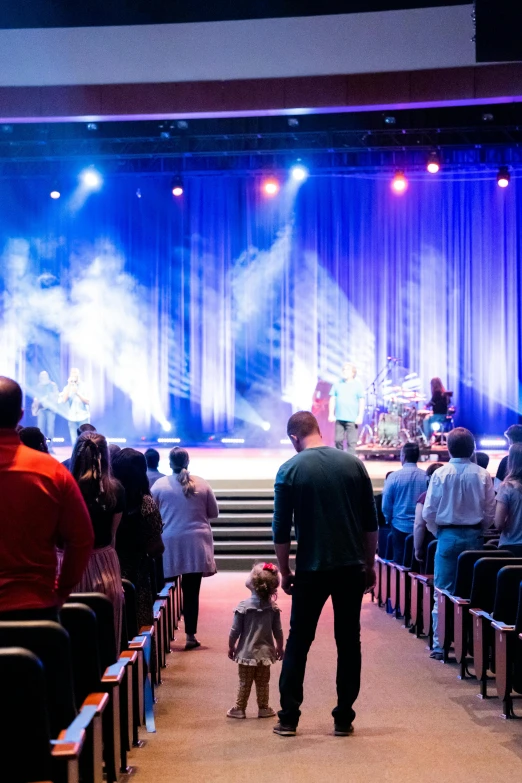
{"points": [[311, 591]]}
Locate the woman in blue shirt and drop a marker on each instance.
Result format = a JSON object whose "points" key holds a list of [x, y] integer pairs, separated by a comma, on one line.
{"points": [[508, 513]]}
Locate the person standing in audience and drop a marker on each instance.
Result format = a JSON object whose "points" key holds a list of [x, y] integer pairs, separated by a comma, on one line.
{"points": [[327, 495], [187, 504], [460, 505], [152, 456], [399, 498], [105, 499], [138, 537], [81, 429], [513, 435], [508, 512], [34, 438], [421, 536], [41, 506]]}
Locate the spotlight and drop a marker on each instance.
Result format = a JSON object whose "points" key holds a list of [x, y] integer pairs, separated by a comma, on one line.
{"points": [[503, 177], [270, 186], [293, 122], [91, 179], [433, 165], [182, 125], [299, 172], [265, 426], [55, 193], [399, 183], [92, 126], [138, 193], [389, 119], [166, 426], [176, 186]]}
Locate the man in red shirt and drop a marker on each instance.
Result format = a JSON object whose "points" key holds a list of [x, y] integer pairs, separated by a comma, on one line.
{"points": [[40, 507]]}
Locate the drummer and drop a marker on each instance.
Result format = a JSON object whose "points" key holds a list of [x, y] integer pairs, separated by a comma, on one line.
{"points": [[346, 408], [439, 406]]}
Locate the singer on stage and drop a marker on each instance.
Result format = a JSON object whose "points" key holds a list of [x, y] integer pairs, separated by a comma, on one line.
{"points": [[76, 395], [347, 408]]}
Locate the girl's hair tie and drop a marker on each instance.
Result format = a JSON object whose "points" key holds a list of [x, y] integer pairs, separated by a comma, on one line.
{"points": [[269, 567]]}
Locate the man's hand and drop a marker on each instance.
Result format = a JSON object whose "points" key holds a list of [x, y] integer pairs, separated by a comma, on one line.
{"points": [[332, 419], [371, 578], [280, 653], [358, 421], [287, 582], [232, 653]]}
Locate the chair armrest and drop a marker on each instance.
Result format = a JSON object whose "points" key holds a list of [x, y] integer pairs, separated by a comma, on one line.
{"points": [[129, 656], [146, 629], [426, 578], [442, 591], [138, 643], [114, 674], [499, 626], [481, 613], [97, 700], [403, 569], [459, 601]]}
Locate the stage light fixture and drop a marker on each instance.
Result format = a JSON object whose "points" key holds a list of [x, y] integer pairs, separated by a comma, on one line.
{"points": [[91, 178], [299, 172], [266, 426], [166, 426], [92, 126], [55, 193], [399, 183], [177, 186], [433, 165], [270, 186], [503, 177], [494, 442]]}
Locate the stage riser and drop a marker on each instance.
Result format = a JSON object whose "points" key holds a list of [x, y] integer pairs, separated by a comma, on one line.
{"points": [[243, 531]]}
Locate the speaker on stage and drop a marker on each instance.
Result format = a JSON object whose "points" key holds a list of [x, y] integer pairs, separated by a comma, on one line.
{"points": [[498, 30]]}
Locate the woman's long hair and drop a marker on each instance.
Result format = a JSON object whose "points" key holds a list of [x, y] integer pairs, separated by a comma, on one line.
{"points": [[90, 467], [514, 473], [437, 386], [130, 468], [179, 461]]}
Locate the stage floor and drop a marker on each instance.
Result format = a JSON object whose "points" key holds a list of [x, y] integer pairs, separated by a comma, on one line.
{"points": [[228, 467]]}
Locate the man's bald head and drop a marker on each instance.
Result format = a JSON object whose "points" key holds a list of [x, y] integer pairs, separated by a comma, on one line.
{"points": [[10, 403]]}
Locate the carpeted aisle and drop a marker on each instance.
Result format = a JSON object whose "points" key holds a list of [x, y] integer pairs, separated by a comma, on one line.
{"points": [[415, 722]]}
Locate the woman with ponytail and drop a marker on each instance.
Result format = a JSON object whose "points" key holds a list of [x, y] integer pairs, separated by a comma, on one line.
{"points": [[105, 499], [187, 504]]}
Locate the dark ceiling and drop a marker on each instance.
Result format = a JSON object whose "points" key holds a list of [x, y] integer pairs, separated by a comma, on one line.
{"points": [[16, 14]]}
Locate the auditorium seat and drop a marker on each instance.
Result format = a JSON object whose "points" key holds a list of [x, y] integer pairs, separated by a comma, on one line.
{"points": [[421, 599], [444, 598], [73, 729], [499, 591], [403, 605], [508, 649], [383, 572]]}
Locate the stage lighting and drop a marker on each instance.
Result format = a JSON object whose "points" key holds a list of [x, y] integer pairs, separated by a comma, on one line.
{"points": [[55, 192], [270, 186], [299, 172], [166, 426], [91, 179], [177, 186], [433, 165], [265, 426], [399, 183], [494, 442], [503, 177]]}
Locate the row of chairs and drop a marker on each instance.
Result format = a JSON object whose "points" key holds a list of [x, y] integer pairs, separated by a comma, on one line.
{"points": [[73, 706], [481, 620]]}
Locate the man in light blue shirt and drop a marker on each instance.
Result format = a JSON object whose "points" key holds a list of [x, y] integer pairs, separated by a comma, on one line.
{"points": [[399, 498], [347, 408]]}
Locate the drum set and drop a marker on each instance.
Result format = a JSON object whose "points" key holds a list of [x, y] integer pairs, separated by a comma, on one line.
{"points": [[393, 412]]}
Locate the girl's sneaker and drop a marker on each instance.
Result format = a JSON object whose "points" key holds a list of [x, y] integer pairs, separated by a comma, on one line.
{"points": [[266, 712], [235, 713]]}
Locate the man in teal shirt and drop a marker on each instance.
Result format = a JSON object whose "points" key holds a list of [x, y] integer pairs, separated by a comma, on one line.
{"points": [[347, 408]]}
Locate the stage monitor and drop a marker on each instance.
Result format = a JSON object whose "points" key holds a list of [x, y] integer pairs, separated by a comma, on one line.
{"points": [[498, 36]]}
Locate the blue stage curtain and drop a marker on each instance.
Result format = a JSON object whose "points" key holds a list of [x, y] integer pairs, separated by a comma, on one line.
{"points": [[224, 307]]}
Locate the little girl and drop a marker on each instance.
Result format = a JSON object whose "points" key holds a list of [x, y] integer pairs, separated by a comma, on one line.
{"points": [[257, 623]]}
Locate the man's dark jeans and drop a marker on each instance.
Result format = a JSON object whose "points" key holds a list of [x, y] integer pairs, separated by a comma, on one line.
{"points": [[348, 430], [310, 593], [399, 540]]}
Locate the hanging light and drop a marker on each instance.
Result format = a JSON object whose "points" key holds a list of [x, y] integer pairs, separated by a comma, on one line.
{"points": [[270, 186], [433, 165], [399, 183], [176, 186], [503, 177]]}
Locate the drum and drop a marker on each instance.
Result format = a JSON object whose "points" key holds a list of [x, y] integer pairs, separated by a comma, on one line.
{"points": [[388, 428]]}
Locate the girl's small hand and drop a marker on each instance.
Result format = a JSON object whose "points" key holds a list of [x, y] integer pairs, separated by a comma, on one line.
{"points": [[231, 653]]}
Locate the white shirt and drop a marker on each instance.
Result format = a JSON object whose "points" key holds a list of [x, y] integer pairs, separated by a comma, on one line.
{"points": [[460, 493]]}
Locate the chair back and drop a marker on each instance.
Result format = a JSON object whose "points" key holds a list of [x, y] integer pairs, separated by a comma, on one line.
{"points": [[80, 623], [389, 547], [50, 643], [506, 596], [24, 722], [160, 574], [102, 608], [384, 532], [131, 612], [153, 573], [484, 583], [430, 557], [465, 564]]}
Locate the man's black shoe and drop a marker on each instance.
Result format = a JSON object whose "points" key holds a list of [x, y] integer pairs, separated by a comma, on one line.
{"points": [[285, 731], [341, 730]]}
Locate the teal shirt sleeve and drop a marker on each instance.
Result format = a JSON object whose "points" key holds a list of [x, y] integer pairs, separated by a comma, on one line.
{"points": [[283, 508]]}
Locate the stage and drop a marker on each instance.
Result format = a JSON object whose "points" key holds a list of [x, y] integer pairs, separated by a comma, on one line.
{"points": [[257, 468]]}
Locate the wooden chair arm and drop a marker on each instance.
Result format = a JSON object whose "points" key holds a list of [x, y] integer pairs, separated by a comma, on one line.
{"points": [[97, 700], [442, 591], [146, 629], [138, 643], [114, 674], [481, 613], [459, 601], [498, 626], [129, 656], [403, 569], [426, 579]]}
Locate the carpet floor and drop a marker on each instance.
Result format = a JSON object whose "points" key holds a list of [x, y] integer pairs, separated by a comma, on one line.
{"points": [[415, 720]]}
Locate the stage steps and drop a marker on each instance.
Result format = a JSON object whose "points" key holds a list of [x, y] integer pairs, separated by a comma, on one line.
{"points": [[243, 531]]}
